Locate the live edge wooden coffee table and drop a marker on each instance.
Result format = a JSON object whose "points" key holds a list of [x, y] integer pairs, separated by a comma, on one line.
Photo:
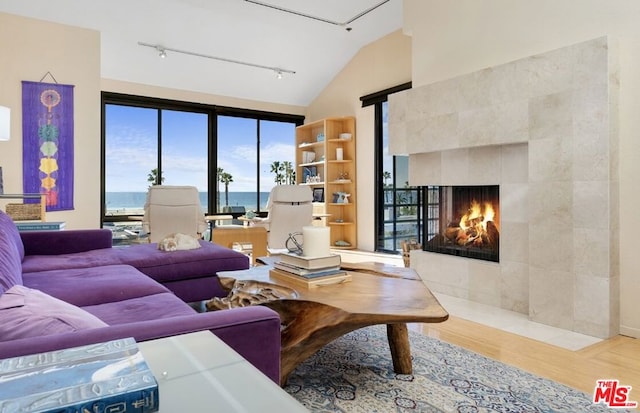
{"points": [[313, 317]]}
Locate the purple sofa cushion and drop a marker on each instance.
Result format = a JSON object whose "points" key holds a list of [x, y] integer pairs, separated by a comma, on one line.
{"points": [[25, 312], [12, 232], [152, 307], [65, 242], [87, 286], [165, 266], [162, 266], [85, 259], [10, 266]]}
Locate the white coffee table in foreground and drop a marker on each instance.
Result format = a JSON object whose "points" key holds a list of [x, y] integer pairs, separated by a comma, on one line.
{"points": [[198, 372]]}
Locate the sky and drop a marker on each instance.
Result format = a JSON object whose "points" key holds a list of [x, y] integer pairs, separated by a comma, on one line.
{"points": [[131, 149]]}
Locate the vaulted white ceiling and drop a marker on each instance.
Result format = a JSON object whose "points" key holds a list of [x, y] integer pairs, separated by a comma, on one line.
{"points": [[231, 29]]}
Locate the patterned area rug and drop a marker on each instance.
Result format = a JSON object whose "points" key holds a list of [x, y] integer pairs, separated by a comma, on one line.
{"points": [[355, 374]]}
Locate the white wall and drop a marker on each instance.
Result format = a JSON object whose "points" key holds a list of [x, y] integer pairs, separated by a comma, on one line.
{"points": [[378, 66], [29, 49], [451, 38]]}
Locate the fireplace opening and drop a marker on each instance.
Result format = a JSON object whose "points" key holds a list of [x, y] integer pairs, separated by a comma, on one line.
{"points": [[463, 221]]}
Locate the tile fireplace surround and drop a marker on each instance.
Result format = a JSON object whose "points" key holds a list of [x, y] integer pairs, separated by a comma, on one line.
{"points": [[544, 129]]}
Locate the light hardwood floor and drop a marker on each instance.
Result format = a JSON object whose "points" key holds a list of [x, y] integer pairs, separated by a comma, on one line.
{"points": [[615, 358]]}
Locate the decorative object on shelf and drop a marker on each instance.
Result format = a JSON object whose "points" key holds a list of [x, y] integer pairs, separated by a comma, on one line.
{"points": [[35, 210], [345, 136], [320, 137], [308, 156], [342, 243], [308, 172], [341, 198], [313, 179], [47, 145], [318, 194], [343, 176], [339, 154]]}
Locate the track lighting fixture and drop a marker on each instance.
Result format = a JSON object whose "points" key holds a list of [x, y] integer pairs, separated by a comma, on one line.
{"points": [[162, 52]]}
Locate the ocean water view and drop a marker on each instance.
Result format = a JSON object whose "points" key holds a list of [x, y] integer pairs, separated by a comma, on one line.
{"points": [[126, 202]]}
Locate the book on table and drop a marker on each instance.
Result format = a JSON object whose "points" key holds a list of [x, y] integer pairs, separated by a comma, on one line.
{"points": [[311, 263], [105, 377], [304, 272], [39, 225], [335, 277]]}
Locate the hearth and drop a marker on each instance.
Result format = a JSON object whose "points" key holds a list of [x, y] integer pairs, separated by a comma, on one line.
{"points": [[463, 221]]}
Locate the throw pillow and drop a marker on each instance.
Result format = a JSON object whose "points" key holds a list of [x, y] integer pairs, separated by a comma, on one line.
{"points": [[12, 232], [25, 312], [10, 262]]}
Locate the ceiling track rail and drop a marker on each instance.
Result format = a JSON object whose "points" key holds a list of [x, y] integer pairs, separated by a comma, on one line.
{"points": [[320, 19]]}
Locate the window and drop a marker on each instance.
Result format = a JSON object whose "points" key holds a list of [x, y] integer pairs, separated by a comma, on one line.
{"points": [[253, 155], [130, 155], [227, 153], [398, 211]]}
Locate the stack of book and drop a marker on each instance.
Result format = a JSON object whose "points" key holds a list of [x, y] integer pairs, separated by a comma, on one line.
{"points": [[311, 271], [106, 377]]}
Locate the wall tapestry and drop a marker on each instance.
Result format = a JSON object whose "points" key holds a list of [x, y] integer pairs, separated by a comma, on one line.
{"points": [[47, 142]]}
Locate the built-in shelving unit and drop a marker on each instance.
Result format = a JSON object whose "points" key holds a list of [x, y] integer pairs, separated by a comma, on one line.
{"points": [[331, 176]]}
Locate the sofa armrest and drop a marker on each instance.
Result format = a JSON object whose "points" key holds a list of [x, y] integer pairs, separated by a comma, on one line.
{"points": [[253, 332], [65, 242]]}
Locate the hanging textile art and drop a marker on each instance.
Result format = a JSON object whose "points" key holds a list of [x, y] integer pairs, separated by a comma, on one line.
{"points": [[47, 142]]}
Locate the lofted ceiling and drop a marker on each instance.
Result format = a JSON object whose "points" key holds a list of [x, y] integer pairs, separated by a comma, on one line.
{"points": [[238, 30]]}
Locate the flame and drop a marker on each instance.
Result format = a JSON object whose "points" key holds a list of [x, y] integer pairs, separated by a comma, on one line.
{"points": [[476, 216]]}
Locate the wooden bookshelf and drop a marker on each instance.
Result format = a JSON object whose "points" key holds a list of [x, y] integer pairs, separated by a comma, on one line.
{"points": [[319, 165]]}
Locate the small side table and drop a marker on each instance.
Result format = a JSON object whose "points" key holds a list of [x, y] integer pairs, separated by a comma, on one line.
{"points": [[198, 372], [257, 236]]}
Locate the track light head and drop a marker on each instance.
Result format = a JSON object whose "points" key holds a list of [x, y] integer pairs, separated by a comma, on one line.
{"points": [[161, 52]]}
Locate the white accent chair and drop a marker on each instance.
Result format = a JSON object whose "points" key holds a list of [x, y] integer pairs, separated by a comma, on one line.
{"points": [[171, 208], [290, 209]]}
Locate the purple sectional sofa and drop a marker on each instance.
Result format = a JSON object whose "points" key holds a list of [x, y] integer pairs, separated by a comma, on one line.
{"points": [[68, 288]]}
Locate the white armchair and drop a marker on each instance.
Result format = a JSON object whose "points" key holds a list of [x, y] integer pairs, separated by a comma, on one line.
{"points": [[290, 209], [171, 209]]}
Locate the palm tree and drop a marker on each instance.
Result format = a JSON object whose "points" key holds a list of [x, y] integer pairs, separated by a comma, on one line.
{"points": [[219, 172], [289, 173], [386, 175], [153, 178], [226, 179], [276, 168]]}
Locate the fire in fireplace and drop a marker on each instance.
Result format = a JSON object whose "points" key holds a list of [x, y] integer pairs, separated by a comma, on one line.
{"points": [[463, 221]]}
